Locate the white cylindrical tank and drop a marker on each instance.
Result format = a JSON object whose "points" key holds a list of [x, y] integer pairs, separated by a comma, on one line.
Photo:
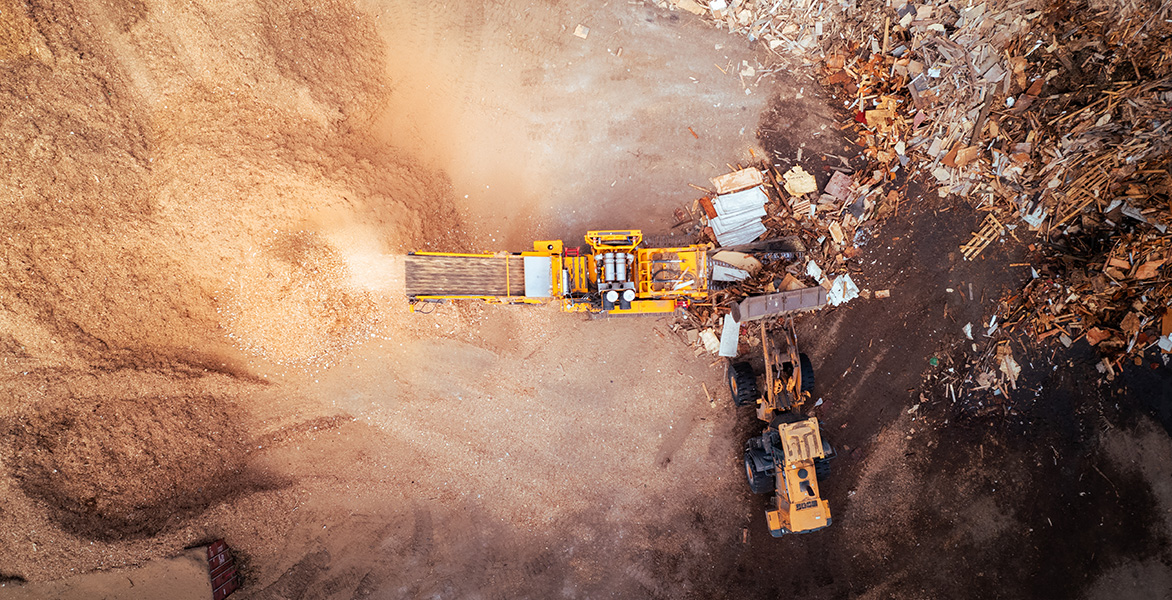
{"points": [[620, 266], [608, 261]]}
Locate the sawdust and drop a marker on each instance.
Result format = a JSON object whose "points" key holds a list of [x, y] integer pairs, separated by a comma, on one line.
{"points": [[292, 304], [202, 207], [110, 468], [189, 193]]}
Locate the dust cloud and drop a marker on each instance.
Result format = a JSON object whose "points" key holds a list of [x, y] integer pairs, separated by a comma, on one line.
{"points": [[456, 104]]}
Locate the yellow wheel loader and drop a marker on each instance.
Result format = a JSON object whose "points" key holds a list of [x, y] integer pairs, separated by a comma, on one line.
{"points": [[790, 456]]}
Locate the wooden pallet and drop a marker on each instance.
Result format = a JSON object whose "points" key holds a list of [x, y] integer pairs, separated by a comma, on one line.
{"points": [[991, 230], [1086, 189]]}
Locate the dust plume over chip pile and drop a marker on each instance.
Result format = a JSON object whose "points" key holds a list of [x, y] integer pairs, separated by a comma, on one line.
{"points": [[145, 175], [189, 192], [292, 302]]}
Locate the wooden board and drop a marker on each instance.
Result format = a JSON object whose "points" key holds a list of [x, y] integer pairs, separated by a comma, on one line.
{"points": [[465, 276], [737, 180]]}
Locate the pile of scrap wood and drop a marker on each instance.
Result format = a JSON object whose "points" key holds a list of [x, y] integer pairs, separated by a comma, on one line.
{"points": [[803, 222], [1013, 104], [1118, 302], [795, 237], [987, 103], [1052, 120]]}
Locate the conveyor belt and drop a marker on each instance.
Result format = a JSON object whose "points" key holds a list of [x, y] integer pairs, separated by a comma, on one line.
{"points": [[465, 275]]}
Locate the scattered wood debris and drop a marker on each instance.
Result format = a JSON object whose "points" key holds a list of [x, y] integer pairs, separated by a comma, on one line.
{"points": [[1053, 120], [807, 242], [1118, 301]]}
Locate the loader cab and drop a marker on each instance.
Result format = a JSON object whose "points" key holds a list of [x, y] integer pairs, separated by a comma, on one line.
{"points": [[800, 507]]}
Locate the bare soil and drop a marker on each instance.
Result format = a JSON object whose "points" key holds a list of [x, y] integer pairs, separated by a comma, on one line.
{"points": [[203, 332]]}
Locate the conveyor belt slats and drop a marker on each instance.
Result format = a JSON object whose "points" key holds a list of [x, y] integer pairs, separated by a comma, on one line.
{"points": [[465, 275]]}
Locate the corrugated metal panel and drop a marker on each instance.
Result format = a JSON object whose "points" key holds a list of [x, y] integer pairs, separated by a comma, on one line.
{"points": [[726, 223], [744, 235], [738, 216], [740, 201], [758, 307]]}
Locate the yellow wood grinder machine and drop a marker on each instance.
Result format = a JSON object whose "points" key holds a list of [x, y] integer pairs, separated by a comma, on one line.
{"points": [[614, 273]]}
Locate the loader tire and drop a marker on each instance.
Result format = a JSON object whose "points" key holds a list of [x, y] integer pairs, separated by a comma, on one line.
{"points": [[742, 383], [807, 373], [821, 469], [761, 481]]}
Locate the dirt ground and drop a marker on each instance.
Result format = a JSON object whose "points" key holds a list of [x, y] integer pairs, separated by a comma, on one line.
{"points": [[203, 332]]}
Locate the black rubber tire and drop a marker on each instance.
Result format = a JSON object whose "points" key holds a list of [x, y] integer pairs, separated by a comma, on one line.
{"points": [[742, 383], [807, 373], [761, 481], [821, 469]]}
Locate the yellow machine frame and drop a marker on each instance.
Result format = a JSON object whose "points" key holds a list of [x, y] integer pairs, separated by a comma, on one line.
{"points": [[801, 507], [659, 278]]}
